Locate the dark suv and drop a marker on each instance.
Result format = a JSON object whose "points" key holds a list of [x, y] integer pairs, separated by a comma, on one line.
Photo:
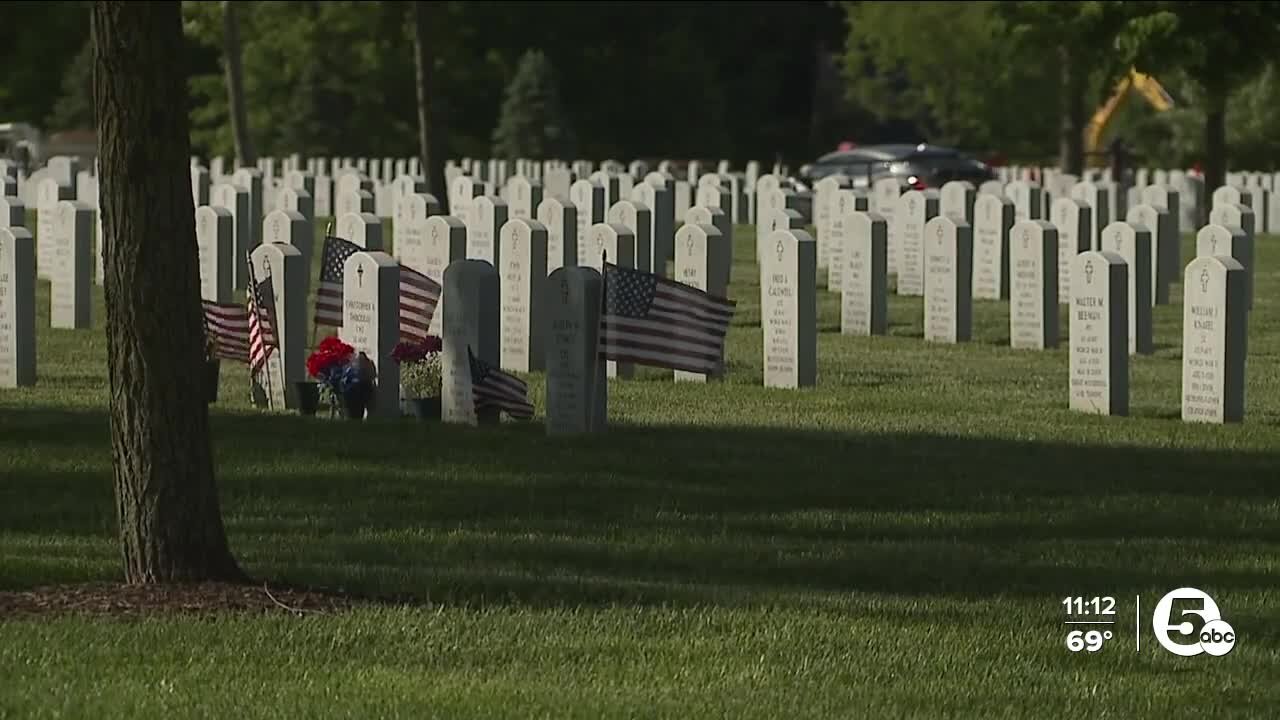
{"points": [[915, 166]]}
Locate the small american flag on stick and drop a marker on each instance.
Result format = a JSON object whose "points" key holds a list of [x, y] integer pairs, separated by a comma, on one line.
{"points": [[262, 323], [493, 388], [228, 326], [651, 320], [419, 296], [332, 268]]}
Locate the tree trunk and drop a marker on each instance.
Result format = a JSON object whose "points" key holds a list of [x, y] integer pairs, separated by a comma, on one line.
{"points": [[431, 127], [166, 499], [1071, 137], [1215, 146], [235, 83]]}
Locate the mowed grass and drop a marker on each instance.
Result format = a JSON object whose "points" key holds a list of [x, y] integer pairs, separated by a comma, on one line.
{"points": [[895, 542]]}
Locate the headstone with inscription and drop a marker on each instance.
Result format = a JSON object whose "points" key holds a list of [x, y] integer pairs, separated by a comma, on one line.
{"points": [[235, 200], [576, 385], [560, 217], [788, 309], [363, 229], [661, 225], [948, 281], [488, 215], [71, 266], [1033, 281], [1235, 215], [523, 197], [1221, 240], [993, 219], [864, 301], [956, 199], [1133, 244], [842, 202], [588, 198], [1073, 220], [523, 249], [1099, 334], [1157, 221], [371, 321], [915, 209], [1214, 340], [1026, 197], [884, 202], [291, 228], [639, 219], [412, 209], [216, 246], [1166, 200], [1099, 203], [615, 243], [471, 320], [283, 263], [702, 261], [17, 308], [49, 192]]}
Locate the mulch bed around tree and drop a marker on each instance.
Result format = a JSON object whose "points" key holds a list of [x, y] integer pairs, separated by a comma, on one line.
{"points": [[136, 601]]}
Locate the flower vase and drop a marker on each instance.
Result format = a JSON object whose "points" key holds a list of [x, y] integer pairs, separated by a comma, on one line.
{"points": [[355, 399], [308, 397], [426, 409]]}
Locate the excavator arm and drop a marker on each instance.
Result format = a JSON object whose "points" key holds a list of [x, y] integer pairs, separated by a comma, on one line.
{"points": [[1145, 85]]}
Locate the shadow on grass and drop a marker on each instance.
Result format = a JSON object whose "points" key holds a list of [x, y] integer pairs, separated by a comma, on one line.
{"points": [[679, 514]]}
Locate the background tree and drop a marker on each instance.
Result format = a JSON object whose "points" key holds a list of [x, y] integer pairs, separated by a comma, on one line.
{"points": [[1220, 47], [533, 123], [166, 498], [74, 109], [431, 126], [235, 82], [40, 41]]}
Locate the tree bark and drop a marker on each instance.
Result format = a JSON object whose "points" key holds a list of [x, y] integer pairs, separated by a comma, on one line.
{"points": [[167, 507], [1071, 137], [1215, 146], [431, 126], [235, 83]]}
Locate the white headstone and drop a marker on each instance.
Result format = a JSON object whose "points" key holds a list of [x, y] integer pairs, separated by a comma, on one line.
{"points": [[488, 215], [575, 373], [662, 223], [371, 321], [616, 243], [523, 251], [915, 209], [235, 200], [1074, 221], [71, 270], [17, 308], [956, 199], [1214, 340], [1157, 221], [588, 198], [284, 265], [1026, 199], [639, 219], [471, 321], [702, 261], [864, 301], [1099, 209], [291, 228], [560, 217], [1220, 240], [49, 192], [788, 309], [1033, 292], [1133, 244], [523, 197], [884, 202], [363, 229], [948, 282], [1099, 329], [993, 219]]}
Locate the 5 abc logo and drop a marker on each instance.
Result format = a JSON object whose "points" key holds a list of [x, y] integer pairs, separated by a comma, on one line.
{"points": [[1169, 621]]}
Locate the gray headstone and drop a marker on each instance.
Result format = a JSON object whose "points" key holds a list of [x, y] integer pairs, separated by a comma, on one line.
{"points": [[993, 219], [488, 215], [864, 294], [1133, 244], [884, 202], [1157, 221], [1099, 329], [948, 281], [235, 200], [471, 320], [588, 198], [788, 309], [617, 242], [1232, 242], [523, 248], [363, 229], [575, 373], [956, 199], [662, 223], [915, 209], [17, 308], [371, 321], [560, 217], [1214, 340], [639, 220], [216, 242], [1033, 285], [287, 364], [71, 270], [702, 261]]}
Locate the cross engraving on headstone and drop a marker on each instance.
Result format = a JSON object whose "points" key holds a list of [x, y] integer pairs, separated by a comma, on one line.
{"points": [[360, 275], [1088, 272], [1204, 280]]}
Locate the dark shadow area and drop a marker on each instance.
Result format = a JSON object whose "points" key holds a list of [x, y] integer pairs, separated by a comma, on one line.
{"points": [[684, 514]]}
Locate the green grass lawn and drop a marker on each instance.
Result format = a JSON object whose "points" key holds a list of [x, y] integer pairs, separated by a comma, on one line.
{"points": [[895, 542]]}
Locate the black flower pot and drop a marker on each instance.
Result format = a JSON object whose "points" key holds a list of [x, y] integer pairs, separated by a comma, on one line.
{"points": [[308, 397], [211, 369], [425, 409]]}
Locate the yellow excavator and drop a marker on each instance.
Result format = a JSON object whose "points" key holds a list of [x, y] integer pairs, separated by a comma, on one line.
{"points": [[1146, 86]]}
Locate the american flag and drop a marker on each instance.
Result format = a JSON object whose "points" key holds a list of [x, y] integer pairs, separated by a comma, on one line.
{"points": [[493, 388], [262, 323], [419, 296], [329, 293], [228, 327], [651, 320]]}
